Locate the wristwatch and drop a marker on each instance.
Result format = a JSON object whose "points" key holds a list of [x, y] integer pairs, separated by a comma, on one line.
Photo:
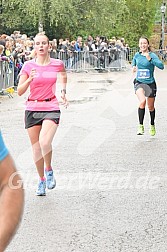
{"points": [[63, 90]]}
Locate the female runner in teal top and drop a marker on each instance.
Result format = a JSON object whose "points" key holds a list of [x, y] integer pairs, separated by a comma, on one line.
{"points": [[144, 63]]}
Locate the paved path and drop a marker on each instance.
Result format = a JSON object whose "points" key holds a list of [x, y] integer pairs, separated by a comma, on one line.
{"points": [[111, 183]]}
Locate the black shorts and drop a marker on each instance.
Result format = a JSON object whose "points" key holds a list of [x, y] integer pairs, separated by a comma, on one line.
{"points": [[33, 118], [149, 89]]}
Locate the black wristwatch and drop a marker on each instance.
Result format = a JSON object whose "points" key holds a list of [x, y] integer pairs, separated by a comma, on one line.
{"points": [[63, 90]]}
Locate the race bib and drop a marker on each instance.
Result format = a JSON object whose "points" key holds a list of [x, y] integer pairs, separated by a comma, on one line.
{"points": [[143, 74]]}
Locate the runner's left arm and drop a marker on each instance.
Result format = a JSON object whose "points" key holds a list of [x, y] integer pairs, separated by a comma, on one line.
{"points": [[156, 61], [63, 81]]}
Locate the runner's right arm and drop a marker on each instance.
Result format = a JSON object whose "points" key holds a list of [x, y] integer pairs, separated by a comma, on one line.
{"points": [[25, 81]]}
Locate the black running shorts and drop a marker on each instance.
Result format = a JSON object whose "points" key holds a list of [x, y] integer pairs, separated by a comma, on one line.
{"points": [[33, 118], [149, 89]]}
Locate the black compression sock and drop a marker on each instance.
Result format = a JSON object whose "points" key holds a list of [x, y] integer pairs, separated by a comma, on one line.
{"points": [[141, 113], [152, 115]]}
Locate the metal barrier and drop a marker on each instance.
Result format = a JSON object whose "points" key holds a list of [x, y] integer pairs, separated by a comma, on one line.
{"points": [[88, 60], [161, 53], [106, 60], [79, 61], [6, 78]]}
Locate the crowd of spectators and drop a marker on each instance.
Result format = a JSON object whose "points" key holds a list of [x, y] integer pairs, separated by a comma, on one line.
{"points": [[17, 48], [95, 50]]}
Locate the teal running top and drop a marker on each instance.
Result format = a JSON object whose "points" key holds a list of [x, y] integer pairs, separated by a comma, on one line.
{"points": [[145, 68], [3, 150]]}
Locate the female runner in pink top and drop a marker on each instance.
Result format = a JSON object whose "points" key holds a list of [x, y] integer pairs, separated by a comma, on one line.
{"points": [[42, 112]]}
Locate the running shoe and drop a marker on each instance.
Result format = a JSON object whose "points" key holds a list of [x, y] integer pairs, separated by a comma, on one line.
{"points": [[140, 130], [50, 179], [41, 188], [152, 130]]}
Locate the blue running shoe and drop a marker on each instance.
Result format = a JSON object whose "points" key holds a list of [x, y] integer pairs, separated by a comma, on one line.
{"points": [[50, 180], [41, 188]]}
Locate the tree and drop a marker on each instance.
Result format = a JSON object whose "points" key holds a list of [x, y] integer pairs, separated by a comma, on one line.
{"points": [[69, 18]]}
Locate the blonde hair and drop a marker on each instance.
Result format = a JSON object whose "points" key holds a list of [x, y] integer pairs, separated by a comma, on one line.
{"points": [[1, 49], [42, 35]]}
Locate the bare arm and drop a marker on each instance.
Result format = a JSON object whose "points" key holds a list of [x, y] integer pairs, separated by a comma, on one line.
{"points": [[11, 201], [63, 81], [25, 81], [134, 69]]}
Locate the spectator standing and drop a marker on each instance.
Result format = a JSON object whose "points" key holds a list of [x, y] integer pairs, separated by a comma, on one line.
{"points": [[78, 44], [71, 52], [90, 42]]}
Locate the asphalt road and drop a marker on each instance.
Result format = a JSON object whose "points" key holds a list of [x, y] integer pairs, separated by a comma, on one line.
{"points": [[111, 183]]}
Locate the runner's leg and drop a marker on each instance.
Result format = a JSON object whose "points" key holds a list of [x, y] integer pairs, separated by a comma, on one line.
{"points": [[47, 133], [34, 133], [142, 103]]}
